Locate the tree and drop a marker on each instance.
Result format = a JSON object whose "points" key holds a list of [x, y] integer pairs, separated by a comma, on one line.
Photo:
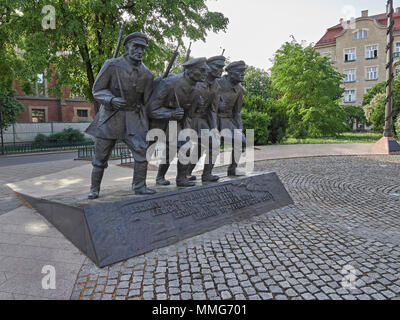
{"points": [[311, 91], [374, 103], [10, 107], [86, 32], [10, 66], [258, 83], [354, 115]]}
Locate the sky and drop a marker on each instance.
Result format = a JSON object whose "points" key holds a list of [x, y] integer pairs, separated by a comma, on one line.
{"points": [[257, 28]]}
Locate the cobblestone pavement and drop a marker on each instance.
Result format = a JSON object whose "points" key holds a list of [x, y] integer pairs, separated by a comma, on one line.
{"points": [[340, 240]]}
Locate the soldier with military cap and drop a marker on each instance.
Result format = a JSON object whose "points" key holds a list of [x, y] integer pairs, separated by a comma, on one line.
{"points": [[172, 100], [203, 115], [123, 87], [230, 106]]}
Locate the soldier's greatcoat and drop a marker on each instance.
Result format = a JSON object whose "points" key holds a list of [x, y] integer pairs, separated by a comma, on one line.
{"points": [[203, 113], [172, 93], [230, 106], [130, 124]]}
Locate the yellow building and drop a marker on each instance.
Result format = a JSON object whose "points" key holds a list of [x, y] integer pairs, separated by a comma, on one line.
{"points": [[358, 50]]}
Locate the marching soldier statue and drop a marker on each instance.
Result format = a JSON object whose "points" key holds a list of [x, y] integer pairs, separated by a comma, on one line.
{"points": [[123, 88], [171, 101], [229, 109], [203, 115]]}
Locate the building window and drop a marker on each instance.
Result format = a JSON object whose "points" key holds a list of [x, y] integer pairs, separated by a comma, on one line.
{"points": [[397, 50], [366, 90], [350, 55], [82, 113], [41, 85], [350, 96], [360, 34], [371, 52], [372, 73], [38, 115], [350, 75]]}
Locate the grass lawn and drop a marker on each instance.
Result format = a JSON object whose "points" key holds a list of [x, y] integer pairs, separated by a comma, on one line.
{"points": [[347, 137]]}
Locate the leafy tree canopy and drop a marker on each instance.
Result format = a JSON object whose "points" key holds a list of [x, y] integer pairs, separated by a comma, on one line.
{"points": [[311, 91], [257, 82], [86, 32], [374, 104]]}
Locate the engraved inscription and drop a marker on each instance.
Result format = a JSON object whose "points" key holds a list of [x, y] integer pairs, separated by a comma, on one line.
{"points": [[201, 204]]}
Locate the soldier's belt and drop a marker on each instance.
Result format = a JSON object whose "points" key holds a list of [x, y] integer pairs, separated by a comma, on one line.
{"points": [[130, 109]]}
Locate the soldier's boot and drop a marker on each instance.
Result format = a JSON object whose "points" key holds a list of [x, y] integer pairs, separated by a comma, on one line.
{"points": [[139, 179], [162, 171], [207, 174], [181, 180], [97, 176], [189, 172], [233, 171]]}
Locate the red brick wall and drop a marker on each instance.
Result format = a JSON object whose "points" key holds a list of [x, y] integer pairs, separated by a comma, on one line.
{"points": [[58, 110]]}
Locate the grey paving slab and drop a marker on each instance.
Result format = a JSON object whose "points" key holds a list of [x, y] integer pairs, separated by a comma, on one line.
{"points": [[32, 252], [2, 277], [34, 267], [6, 296], [13, 238], [32, 285]]}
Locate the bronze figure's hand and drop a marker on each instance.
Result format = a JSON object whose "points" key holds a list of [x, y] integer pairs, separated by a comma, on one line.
{"points": [[177, 114], [118, 103]]}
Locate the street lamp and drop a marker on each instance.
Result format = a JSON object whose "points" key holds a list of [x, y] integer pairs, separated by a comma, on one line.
{"points": [[388, 144]]}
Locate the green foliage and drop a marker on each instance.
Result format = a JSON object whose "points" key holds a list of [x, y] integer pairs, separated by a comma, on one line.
{"points": [[258, 83], [10, 107], [40, 138], [67, 135], [311, 91], [374, 104], [86, 34], [259, 122], [354, 114], [397, 126], [378, 88], [278, 123], [378, 114]]}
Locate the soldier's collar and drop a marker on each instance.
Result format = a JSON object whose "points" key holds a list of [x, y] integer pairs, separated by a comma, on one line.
{"points": [[130, 64]]}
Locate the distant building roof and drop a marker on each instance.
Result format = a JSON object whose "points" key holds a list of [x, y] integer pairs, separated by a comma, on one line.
{"points": [[331, 33]]}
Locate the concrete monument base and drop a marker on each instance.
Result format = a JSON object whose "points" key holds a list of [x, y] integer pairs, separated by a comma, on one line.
{"points": [[120, 225], [387, 145]]}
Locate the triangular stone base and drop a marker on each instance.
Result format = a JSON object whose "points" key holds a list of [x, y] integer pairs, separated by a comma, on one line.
{"points": [[387, 145]]}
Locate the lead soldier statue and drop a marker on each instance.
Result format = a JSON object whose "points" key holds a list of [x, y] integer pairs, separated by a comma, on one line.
{"points": [[203, 116], [123, 88], [171, 101], [230, 106]]}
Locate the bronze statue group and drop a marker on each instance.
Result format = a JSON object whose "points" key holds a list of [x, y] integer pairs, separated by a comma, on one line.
{"points": [[132, 103]]}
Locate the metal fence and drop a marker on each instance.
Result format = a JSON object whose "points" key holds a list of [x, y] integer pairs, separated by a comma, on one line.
{"points": [[25, 132], [20, 148], [88, 152]]}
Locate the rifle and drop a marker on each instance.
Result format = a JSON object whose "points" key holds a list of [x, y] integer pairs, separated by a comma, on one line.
{"points": [[188, 53], [171, 63], [121, 33]]}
